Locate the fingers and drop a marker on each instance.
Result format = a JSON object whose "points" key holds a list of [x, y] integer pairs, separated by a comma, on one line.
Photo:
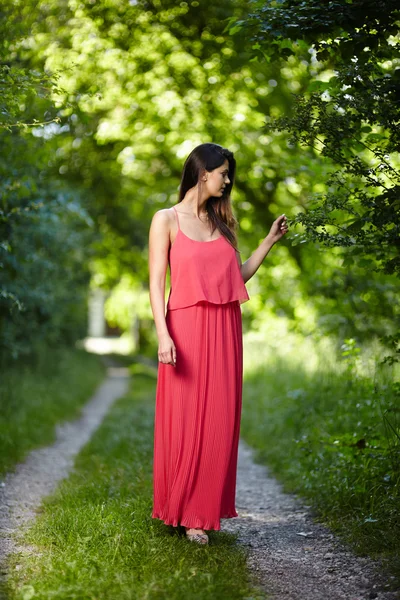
{"points": [[163, 357], [168, 357], [283, 226], [171, 357]]}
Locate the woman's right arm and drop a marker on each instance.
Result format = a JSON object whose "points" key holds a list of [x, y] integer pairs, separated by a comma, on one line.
{"points": [[159, 241]]}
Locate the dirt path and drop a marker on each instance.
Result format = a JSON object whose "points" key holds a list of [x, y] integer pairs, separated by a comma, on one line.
{"points": [[21, 492], [291, 556]]}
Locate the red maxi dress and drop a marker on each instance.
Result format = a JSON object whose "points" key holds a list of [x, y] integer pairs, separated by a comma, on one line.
{"points": [[199, 401]]}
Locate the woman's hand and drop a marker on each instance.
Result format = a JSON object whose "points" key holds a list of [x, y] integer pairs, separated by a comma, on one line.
{"points": [[166, 350], [278, 229]]}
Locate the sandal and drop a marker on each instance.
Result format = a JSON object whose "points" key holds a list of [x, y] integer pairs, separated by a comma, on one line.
{"points": [[199, 538]]}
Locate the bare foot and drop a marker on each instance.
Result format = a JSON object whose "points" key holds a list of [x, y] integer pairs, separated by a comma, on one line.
{"points": [[191, 531]]}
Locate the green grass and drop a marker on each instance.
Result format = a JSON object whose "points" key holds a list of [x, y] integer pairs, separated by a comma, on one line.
{"points": [[34, 398], [95, 538], [329, 429]]}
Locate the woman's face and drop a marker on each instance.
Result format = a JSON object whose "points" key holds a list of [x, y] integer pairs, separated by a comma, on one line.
{"points": [[217, 180]]}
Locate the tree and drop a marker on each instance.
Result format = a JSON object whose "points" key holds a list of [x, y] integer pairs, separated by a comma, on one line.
{"points": [[44, 226], [350, 116]]}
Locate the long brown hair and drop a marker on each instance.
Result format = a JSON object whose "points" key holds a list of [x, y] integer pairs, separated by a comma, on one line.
{"points": [[209, 157]]}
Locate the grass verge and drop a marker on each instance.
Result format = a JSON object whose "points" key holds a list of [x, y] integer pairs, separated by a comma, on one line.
{"points": [[332, 434], [38, 396], [95, 538]]}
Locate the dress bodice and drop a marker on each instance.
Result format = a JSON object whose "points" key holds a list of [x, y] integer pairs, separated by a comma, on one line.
{"points": [[203, 271]]}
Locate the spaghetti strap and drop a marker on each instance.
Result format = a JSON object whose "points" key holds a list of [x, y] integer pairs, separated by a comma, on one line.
{"points": [[177, 219]]}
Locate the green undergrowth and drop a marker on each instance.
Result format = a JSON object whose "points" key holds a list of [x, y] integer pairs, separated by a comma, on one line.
{"points": [[95, 538], [330, 432], [37, 396]]}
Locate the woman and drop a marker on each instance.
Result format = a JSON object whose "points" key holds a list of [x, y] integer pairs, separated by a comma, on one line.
{"points": [[199, 385]]}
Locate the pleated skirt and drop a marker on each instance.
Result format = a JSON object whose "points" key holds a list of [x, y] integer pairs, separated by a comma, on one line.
{"points": [[197, 417]]}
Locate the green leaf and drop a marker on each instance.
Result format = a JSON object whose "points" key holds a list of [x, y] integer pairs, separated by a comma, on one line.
{"points": [[375, 138], [318, 86]]}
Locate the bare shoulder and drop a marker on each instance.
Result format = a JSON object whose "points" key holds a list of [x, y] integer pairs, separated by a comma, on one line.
{"points": [[164, 215], [162, 220]]}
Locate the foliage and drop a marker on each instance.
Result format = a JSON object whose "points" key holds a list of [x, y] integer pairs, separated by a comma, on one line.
{"points": [[348, 113], [19, 84], [95, 536], [139, 94], [135, 86], [44, 225]]}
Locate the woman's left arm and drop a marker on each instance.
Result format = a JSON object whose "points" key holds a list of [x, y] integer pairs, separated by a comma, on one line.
{"points": [[278, 229]]}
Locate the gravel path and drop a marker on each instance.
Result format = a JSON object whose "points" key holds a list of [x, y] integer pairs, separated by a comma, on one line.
{"points": [[21, 492], [291, 556]]}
